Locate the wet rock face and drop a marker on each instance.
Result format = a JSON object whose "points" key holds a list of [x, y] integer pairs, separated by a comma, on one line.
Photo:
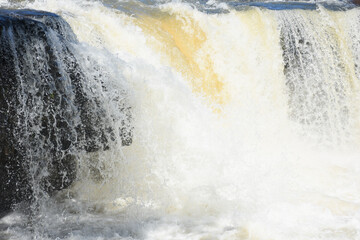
{"points": [[46, 116], [33, 129]]}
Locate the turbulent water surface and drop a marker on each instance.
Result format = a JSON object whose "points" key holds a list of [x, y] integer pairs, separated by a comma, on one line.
{"points": [[245, 118]]}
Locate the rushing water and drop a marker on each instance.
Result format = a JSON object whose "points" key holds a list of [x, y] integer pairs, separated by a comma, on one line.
{"points": [[245, 120]]}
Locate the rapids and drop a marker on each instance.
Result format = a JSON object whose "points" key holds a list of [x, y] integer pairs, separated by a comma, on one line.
{"points": [[246, 123]]}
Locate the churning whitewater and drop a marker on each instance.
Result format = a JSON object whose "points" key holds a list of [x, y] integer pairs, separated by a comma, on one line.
{"points": [[245, 123]]}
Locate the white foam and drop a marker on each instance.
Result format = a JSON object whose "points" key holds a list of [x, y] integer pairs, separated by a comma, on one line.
{"points": [[246, 172]]}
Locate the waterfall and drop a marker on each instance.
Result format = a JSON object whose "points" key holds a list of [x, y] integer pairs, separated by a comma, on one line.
{"points": [[55, 104], [188, 120]]}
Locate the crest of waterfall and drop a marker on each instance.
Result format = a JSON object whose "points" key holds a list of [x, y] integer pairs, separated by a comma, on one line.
{"points": [[245, 121]]}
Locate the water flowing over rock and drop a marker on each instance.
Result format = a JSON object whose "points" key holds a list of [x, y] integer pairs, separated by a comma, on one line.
{"points": [[47, 112], [245, 118]]}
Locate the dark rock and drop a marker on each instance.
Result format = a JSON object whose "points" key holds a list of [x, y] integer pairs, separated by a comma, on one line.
{"points": [[46, 115], [309, 65]]}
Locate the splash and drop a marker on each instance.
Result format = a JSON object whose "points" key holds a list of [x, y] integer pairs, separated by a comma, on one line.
{"points": [[245, 119]]}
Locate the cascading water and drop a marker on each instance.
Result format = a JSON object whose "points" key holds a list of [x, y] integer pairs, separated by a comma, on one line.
{"points": [[244, 120]]}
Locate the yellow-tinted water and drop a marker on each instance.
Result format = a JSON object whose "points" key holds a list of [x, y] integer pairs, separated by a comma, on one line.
{"points": [[246, 125]]}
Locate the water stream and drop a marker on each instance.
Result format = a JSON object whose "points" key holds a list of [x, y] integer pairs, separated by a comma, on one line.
{"points": [[245, 123]]}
